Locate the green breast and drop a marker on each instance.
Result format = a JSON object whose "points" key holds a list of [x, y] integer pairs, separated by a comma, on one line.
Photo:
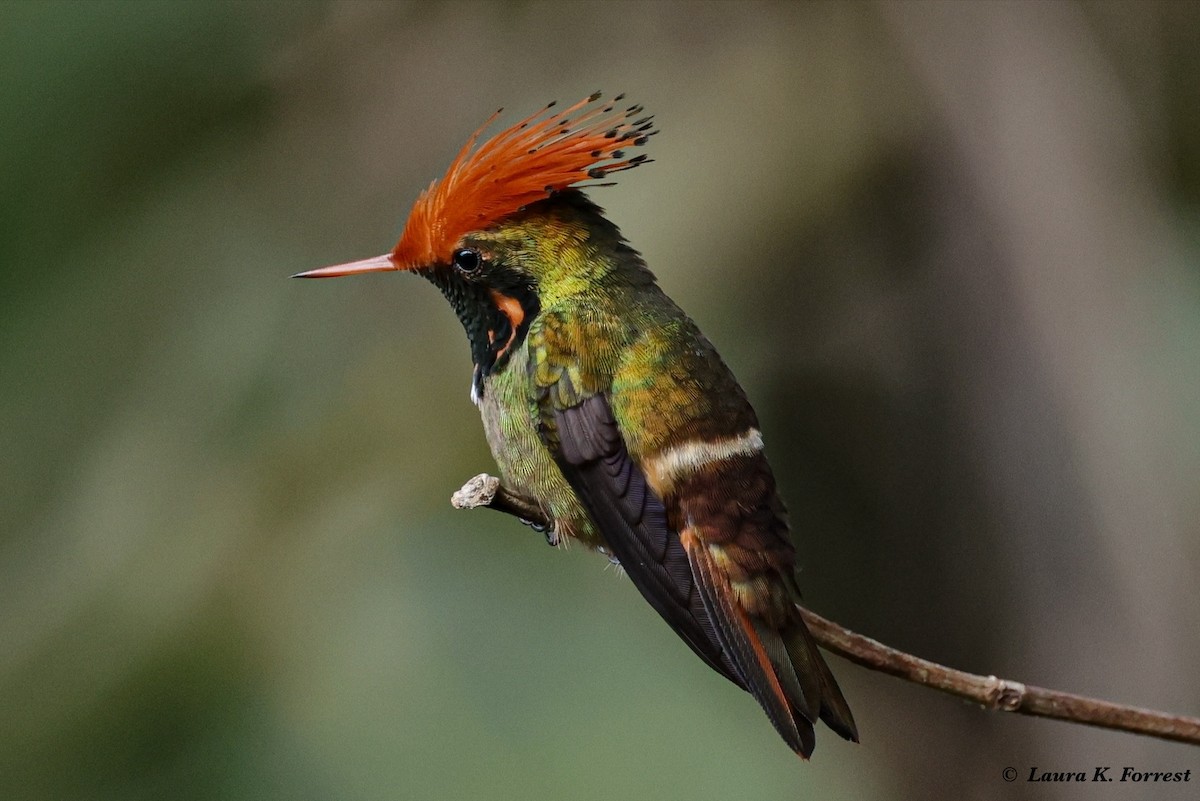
{"points": [[510, 422]]}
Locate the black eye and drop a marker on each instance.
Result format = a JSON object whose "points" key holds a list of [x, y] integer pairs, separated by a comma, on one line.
{"points": [[468, 260]]}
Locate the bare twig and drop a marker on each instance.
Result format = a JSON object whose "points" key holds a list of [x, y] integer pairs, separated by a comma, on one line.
{"points": [[988, 691], [996, 693]]}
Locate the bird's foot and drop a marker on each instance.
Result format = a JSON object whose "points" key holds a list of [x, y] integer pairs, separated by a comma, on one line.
{"points": [[550, 533]]}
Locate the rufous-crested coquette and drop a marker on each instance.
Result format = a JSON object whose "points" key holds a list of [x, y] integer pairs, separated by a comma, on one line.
{"points": [[604, 404]]}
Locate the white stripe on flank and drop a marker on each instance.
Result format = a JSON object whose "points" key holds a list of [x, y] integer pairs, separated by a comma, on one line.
{"points": [[679, 461]]}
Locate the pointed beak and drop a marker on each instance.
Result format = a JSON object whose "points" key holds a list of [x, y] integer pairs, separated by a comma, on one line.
{"points": [[377, 264]]}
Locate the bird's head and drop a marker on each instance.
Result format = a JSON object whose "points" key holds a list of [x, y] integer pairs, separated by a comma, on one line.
{"points": [[507, 229]]}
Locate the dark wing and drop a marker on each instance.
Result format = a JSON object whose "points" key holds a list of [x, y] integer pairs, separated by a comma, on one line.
{"points": [[778, 663], [592, 455]]}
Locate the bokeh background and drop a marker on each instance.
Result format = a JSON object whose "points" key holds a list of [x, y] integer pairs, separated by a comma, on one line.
{"points": [[951, 249]]}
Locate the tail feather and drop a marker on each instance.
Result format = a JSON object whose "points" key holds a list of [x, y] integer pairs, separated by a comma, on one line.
{"points": [[807, 657], [739, 638], [799, 677], [834, 709], [782, 668]]}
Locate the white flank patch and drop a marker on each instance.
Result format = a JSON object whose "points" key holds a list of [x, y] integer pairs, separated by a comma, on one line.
{"points": [[679, 461]]}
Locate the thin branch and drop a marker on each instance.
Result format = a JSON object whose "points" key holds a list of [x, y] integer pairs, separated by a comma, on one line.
{"points": [[988, 691], [1000, 694]]}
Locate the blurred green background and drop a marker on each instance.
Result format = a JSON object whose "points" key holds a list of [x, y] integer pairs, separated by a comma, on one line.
{"points": [[951, 249]]}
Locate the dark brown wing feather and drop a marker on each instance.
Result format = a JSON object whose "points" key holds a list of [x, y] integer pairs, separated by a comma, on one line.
{"points": [[594, 460], [777, 663]]}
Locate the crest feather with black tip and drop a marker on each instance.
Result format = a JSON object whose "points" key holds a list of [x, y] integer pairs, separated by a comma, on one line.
{"points": [[518, 166]]}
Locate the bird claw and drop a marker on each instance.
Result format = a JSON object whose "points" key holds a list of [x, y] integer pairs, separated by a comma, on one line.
{"points": [[550, 533], [612, 558]]}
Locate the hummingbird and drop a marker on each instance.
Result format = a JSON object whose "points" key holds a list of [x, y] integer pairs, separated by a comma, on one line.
{"points": [[604, 404]]}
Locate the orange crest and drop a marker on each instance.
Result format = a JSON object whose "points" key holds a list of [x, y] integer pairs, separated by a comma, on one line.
{"points": [[516, 167]]}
